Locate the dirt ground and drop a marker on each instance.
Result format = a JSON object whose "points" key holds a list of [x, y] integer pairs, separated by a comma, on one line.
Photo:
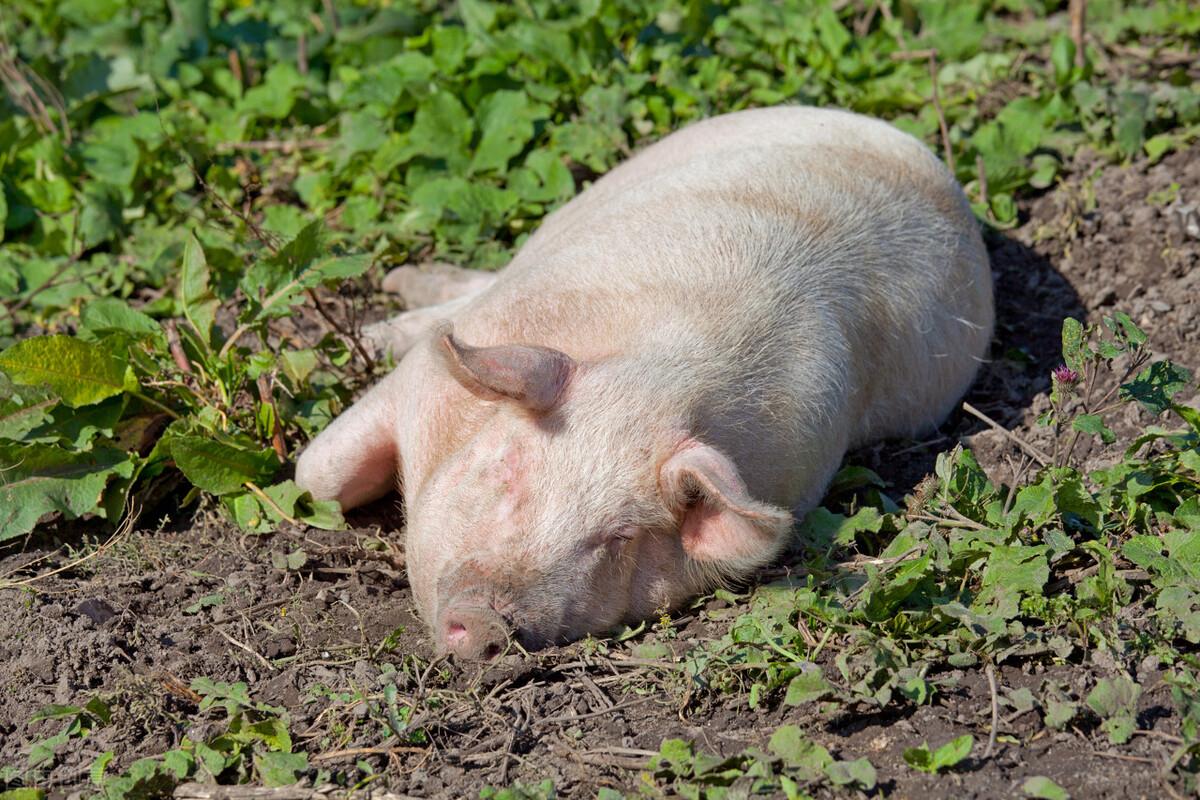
{"points": [[159, 607]]}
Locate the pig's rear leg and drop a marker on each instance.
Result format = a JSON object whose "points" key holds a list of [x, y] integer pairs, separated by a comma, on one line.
{"points": [[436, 283]]}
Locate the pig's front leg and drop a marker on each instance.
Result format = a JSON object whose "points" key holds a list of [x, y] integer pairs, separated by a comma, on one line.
{"points": [[397, 335], [436, 283], [432, 293]]}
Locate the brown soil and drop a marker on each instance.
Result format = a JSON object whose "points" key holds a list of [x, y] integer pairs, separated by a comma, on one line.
{"points": [[158, 608]]}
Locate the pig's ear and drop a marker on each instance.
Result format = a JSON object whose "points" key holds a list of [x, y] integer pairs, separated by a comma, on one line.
{"points": [[356, 460], [721, 522], [533, 377]]}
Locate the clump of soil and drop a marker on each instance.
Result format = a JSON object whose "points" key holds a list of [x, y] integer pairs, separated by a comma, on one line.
{"points": [[321, 623]]}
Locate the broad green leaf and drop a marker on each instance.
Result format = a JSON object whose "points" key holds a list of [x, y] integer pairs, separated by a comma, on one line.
{"points": [[1073, 347], [441, 129], [1156, 385], [1115, 701], [195, 295], [953, 752], [1059, 712], [24, 793], [1094, 424], [23, 410], [1062, 56], [106, 315], [219, 467], [1041, 787], [806, 687], [79, 372], [1132, 109], [860, 772], [39, 479], [280, 769], [506, 119], [800, 753], [78, 428]]}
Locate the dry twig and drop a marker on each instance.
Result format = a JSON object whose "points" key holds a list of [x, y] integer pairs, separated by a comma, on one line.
{"points": [[991, 745], [1032, 451]]}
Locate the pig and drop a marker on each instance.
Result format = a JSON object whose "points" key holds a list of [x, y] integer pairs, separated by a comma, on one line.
{"points": [[666, 376]]}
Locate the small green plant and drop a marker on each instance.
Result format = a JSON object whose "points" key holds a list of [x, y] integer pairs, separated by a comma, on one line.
{"points": [[791, 761], [943, 758], [80, 722], [253, 745]]}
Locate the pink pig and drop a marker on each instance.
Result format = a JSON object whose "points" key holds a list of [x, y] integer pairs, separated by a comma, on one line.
{"points": [[667, 375]]}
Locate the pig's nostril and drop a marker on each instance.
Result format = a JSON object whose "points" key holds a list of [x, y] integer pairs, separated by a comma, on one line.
{"points": [[455, 632], [475, 634]]}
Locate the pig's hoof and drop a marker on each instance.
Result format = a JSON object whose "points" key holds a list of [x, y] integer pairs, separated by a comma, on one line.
{"points": [[474, 634], [390, 338]]}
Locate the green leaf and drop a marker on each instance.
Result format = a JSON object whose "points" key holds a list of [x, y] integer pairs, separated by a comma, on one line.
{"points": [[39, 479], [806, 687], [859, 771], [24, 410], [195, 296], [24, 793], [1132, 109], [946, 756], [219, 467], [1062, 56], [790, 745], [1042, 787], [822, 528], [1074, 349], [1094, 424], [1114, 700], [280, 769], [98, 766], [1059, 712], [277, 283], [953, 752], [1154, 387], [105, 315], [441, 129], [506, 119], [79, 372]]}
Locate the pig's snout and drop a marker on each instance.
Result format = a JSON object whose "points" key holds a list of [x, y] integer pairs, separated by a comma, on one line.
{"points": [[474, 633]]}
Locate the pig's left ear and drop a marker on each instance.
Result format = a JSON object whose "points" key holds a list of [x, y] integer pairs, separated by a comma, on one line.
{"points": [[721, 522], [533, 377]]}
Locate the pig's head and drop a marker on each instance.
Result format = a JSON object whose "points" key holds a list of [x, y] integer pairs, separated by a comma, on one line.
{"points": [[574, 500], [578, 503]]}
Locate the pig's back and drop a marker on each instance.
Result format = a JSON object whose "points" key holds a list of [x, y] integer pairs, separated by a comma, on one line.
{"points": [[825, 251]]}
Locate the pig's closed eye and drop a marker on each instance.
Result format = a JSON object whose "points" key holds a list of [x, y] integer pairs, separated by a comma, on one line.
{"points": [[614, 541]]}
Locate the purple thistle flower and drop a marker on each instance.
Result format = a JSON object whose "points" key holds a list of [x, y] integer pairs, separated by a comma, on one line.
{"points": [[1065, 375]]}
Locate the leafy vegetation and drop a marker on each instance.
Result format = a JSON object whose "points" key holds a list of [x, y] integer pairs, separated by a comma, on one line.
{"points": [[183, 185], [178, 178], [253, 743]]}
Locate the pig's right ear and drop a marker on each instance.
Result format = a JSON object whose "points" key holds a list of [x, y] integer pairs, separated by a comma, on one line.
{"points": [[355, 460], [720, 521]]}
